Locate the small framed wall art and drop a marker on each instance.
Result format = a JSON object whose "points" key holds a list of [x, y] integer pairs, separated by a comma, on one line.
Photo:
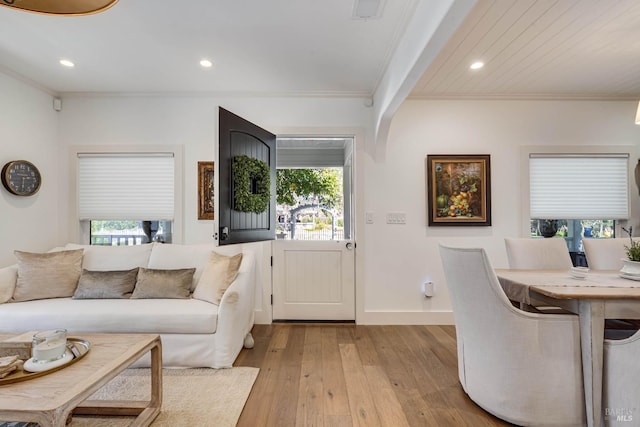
{"points": [[459, 189], [206, 206]]}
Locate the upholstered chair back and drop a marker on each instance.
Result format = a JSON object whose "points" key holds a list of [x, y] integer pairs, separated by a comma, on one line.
{"points": [[522, 367], [605, 254], [538, 254], [621, 378]]}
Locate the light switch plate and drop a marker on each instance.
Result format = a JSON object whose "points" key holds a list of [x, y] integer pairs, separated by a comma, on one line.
{"points": [[369, 217], [396, 218]]}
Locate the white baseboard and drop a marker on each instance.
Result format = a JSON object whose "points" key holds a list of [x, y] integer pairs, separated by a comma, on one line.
{"points": [[386, 318], [262, 317], [405, 318]]}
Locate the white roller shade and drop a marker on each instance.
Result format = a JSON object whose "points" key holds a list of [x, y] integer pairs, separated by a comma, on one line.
{"points": [[126, 186], [579, 187]]}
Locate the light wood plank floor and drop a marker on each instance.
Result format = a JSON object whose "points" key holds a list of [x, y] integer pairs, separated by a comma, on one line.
{"points": [[348, 375]]}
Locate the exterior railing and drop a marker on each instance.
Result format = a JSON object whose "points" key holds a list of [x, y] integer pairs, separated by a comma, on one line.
{"points": [[117, 239], [303, 233]]}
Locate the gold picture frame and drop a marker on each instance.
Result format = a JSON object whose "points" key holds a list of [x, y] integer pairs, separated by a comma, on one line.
{"points": [[206, 205], [459, 190]]}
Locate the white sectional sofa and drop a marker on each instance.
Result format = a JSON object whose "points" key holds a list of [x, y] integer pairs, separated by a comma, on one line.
{"points": [[195, 333]]}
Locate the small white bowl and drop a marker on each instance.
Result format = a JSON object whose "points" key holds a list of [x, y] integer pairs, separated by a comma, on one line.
{"points": [[578, 272]]}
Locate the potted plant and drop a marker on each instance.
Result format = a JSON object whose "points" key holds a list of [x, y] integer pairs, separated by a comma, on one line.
{"points": [[631, 265], [547, 227]]}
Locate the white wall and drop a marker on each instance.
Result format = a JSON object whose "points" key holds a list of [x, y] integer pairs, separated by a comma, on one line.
{"points": [[398, 258], [29, 131]]}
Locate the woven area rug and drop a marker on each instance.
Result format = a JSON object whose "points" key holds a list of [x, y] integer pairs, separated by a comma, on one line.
{"points": [[191, 397]]}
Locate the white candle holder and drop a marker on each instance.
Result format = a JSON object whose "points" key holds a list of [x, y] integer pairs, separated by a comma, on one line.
{"points": [[48, 346]]}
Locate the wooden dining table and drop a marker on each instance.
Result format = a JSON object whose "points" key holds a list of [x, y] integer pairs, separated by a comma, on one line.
{"points": [[600, 295]]}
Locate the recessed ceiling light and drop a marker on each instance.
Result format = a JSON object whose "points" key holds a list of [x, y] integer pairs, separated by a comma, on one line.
{"points": [[477, 65], [67, 63], [206, 63]]}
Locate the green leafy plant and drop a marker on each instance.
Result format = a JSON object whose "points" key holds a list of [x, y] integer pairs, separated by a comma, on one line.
{"points": [[323, 183], [251, 184], [633, 250]]}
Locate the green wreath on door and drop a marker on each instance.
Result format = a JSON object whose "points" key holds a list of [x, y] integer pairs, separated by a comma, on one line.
{"points": [[250, 172]]}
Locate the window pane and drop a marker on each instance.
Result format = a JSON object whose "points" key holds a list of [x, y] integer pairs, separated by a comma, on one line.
{"points": [[310, 204], [573, 230], [128, 233]]}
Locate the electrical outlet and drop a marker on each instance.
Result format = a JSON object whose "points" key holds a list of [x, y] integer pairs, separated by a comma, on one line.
{"points": [[428, 289]]}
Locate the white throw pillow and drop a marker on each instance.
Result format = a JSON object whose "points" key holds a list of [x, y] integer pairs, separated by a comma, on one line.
{"points": [[218, 274], [8, 277]]}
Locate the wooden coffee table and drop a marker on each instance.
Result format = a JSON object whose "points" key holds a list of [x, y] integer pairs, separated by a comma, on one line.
{"points": [[50, 399]]}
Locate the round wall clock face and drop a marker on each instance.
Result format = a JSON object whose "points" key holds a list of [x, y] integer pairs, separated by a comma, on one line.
{"points": [[21, 178]]}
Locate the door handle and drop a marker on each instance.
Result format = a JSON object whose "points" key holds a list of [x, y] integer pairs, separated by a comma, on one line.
{"points": [[224, 233], [349, 246]]}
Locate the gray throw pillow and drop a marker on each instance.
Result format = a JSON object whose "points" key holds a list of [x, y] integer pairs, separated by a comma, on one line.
{"points": [[47, 275], [106, 284], [154, 283]]}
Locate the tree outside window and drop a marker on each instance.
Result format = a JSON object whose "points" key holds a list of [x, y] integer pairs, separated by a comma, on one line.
{"points": [[311, 200]]}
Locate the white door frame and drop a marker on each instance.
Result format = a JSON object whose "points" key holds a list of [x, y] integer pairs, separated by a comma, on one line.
{"points": [[264, 314]]}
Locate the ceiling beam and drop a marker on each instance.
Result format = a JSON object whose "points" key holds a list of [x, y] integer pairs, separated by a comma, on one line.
{"points": [[433, 23]]}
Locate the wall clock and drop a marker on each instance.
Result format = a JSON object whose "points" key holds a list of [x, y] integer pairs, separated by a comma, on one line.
{"points": [[21, 178]]}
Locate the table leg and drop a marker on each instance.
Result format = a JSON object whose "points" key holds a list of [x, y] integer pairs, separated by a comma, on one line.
{"points": [[145, 411], [592, 344], [147, 416], [156, 377]]}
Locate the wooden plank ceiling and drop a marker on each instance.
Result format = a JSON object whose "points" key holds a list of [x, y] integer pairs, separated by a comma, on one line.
{"points": [[570, 49]]}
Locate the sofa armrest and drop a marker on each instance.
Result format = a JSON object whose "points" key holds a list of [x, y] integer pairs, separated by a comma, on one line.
{"points": [[8, 278], [239, 297], [237, 308]]}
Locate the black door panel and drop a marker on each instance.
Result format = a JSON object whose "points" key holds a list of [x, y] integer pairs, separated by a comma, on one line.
{"points": [[239, 137]]}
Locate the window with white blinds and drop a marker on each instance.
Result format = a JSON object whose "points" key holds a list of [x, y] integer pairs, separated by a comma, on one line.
{"points": [[134, 186], [569, 186]]}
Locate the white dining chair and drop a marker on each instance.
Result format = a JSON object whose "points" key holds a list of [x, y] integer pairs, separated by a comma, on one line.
{"points": [[522, 367], [538, 254], [605, 254]]}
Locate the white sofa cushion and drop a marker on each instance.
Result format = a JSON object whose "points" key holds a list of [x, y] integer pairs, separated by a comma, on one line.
{"points": [[188, 316], [110, 258]]}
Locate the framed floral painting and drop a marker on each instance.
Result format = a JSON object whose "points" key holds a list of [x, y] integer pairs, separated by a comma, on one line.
{"points": [[458, 189]]}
